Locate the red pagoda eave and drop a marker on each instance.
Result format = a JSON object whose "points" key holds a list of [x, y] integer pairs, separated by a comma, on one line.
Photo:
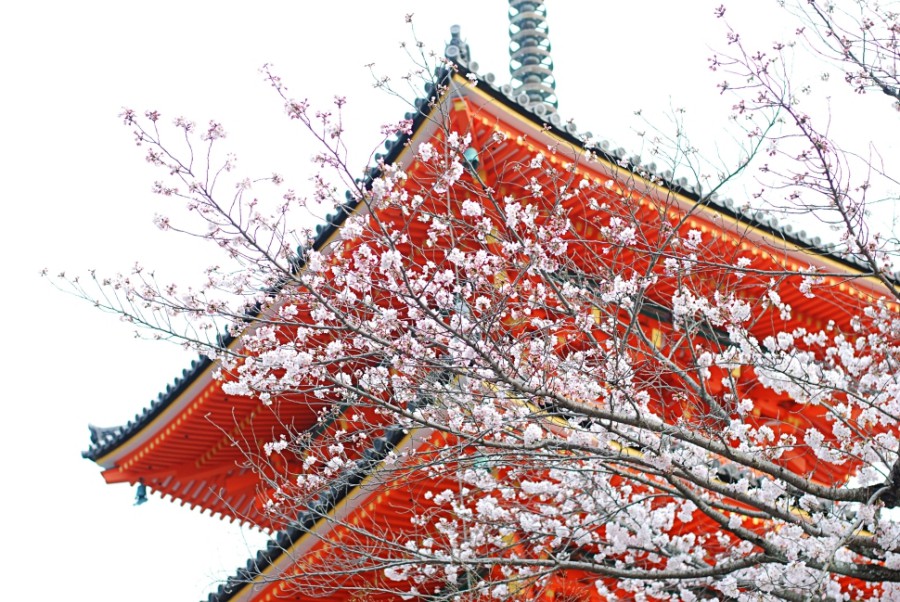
{"points": [[487, 114], [173, 467], [364, 502], [472, 109], [203, 386], [188, 402], [192, 473]]}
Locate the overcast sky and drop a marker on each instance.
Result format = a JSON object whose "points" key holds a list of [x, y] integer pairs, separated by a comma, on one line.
{"points": [[76, 196]]}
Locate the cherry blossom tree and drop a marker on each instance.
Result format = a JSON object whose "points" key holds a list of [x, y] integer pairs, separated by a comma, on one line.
{"points": [[582, 373]]}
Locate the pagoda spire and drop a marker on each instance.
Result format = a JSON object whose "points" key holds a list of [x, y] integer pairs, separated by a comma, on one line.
{"points": [[529, 55]]}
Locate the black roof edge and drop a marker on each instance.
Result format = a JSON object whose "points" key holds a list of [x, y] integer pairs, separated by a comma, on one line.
{"points": [[308, 519], [105, 440]]}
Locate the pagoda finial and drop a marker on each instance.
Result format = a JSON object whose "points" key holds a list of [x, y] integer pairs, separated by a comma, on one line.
{"points": [[456, 49], [529, 54]]}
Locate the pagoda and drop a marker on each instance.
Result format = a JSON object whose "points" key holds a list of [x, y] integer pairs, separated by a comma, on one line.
{"points": [[191, 444]]}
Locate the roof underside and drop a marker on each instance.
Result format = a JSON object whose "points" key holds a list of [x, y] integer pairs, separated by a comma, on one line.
{"points": [[106, 441], [178, 444]]}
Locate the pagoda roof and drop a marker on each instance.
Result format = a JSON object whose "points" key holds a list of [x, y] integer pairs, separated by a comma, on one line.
{"points": [[105, 440], [108, 441]]}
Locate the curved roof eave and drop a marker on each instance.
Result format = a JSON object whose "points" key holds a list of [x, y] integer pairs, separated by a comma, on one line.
{"points": [[326, 504], [106, 440]]}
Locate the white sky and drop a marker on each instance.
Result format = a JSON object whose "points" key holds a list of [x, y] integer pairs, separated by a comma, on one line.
{"points": [[76, 196]]}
